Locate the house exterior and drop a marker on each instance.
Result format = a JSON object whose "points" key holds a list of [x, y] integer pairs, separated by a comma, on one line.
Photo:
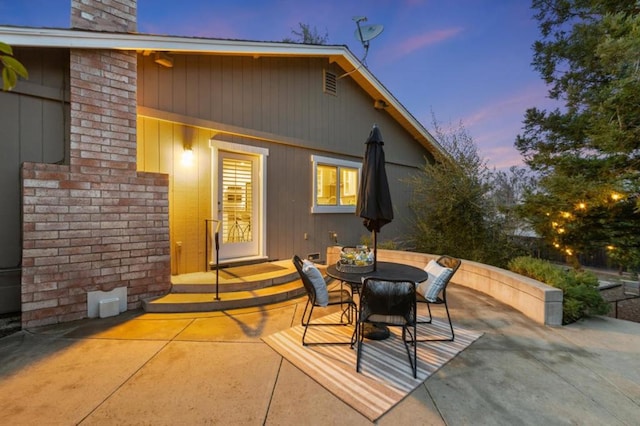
{"points": [[130, 150]]}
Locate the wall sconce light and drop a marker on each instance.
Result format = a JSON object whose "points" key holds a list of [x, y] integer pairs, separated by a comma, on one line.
{"points": [[333, 236], [187, 156], [164, 60]]}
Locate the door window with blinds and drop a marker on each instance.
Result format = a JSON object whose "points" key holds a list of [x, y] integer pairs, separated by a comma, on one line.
{"points": [[335, 185], [237, 200]]}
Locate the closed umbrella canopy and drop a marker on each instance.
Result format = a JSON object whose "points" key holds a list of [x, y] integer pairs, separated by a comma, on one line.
{"points": [[374, 199]]}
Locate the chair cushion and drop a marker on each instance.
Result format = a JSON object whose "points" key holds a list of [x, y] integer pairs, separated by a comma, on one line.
{"points": [[316, 278], [438, 277]]}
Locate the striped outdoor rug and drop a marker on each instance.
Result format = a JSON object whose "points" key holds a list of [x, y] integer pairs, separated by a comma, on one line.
{"points": [[385, 376]]}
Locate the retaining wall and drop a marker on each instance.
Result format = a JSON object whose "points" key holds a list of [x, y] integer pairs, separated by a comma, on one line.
{"points": [[536, 300]]}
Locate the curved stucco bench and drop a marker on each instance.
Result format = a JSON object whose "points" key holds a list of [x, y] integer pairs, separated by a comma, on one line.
{"points": [[536, 300]]}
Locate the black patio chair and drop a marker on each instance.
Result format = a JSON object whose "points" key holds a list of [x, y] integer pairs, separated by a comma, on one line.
{"points": [[389, 303], [441, 298], [319, 296]]}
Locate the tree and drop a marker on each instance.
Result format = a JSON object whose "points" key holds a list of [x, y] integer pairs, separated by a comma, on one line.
{"points": [[307, 35], [456, 206], [587, 154], [507, 192], [11, 67]]}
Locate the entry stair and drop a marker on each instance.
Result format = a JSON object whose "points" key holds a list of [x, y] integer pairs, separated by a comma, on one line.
{"points": [[196, 292]]}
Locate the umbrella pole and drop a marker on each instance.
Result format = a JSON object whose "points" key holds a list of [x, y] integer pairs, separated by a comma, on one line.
{"points": [[375, 251]]}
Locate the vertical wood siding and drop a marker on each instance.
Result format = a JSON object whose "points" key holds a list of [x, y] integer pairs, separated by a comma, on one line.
{"points": [[32, 119], [189, 186], [282, 97]]}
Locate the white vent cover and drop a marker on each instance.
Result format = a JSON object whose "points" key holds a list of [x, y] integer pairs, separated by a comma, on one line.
{"points": [[115, 299], [109, 307]]}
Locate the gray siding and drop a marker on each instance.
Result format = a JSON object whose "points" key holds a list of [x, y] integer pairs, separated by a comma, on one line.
{"points": [[34, 120], [277, 96], [282, 99]]}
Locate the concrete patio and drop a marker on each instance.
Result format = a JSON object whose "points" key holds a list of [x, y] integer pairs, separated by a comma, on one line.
{"points": [[212, 368]]}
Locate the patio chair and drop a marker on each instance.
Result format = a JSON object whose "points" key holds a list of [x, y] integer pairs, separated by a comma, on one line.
{"points": [[391, 303], [434, 291], [319, 296]]}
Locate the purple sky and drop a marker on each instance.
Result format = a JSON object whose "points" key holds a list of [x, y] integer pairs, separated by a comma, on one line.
{"points": [[465, 61]]}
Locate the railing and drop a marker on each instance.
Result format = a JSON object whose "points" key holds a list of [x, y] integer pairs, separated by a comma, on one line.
{"points": [[212, 233], [631, 291]]}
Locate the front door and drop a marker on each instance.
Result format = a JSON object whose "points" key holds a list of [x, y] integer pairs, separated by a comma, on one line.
{"points": [[239, 204]]}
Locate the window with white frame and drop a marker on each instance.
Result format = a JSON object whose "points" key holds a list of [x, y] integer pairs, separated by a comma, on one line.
{"points": [[335, 185]]}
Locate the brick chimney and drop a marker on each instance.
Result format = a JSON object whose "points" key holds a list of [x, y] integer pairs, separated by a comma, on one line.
{"points": [[104, 15], [96, 228]]}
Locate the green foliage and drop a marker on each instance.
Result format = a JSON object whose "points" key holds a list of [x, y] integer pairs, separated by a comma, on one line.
{"points": [[579, 288], [628, 259], [307, 35], [587, 154], [457, 209], [393, 244], [11, 67], [537, 269]]}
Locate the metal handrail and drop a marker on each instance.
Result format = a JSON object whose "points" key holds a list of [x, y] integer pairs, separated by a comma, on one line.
{"points": [[216, 238], [622, 300]]}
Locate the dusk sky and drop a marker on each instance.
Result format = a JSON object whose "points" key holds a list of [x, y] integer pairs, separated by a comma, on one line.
{"points": [[465, 61]]}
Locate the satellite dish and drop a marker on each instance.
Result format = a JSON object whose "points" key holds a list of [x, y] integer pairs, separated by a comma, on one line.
{"points": [[368, 32], [364, 34]]}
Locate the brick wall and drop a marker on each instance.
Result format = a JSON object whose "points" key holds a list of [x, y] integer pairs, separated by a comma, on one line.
{"points": [[95, 224], [87, 232]]}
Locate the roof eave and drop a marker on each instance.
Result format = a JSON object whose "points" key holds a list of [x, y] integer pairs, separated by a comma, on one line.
{"points": [[65, 38], [78, 39]]}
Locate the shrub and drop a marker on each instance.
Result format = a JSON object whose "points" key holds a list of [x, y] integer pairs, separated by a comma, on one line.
{"points": [[393, 244], [580, 295]]}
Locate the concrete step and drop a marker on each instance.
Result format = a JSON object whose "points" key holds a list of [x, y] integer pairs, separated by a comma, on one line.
{"points": [[205, 302], [205, 282], [196, 292]]}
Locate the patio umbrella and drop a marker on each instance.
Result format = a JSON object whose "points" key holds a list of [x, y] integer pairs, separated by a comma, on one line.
{"points": [[374, 198]]}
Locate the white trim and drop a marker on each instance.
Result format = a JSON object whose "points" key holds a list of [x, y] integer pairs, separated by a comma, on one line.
{"points": [[239, 148], [330, 161], [68, 38], [336, 162]]}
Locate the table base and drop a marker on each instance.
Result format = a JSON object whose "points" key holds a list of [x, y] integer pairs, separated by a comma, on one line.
{"points": [[374, 331]]}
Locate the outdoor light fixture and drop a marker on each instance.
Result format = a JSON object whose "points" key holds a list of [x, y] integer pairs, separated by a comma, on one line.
{"points": [[333, 236], [380, 104], [164, 60], [187, 156]]}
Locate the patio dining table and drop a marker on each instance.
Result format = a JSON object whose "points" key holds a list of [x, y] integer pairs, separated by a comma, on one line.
{"points": [[390, 270]]}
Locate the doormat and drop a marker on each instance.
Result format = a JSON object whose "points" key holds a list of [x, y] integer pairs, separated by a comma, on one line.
{"points": [[248, 270], [385, 376]]}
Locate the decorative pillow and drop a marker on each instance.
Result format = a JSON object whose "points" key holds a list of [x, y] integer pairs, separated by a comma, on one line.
{"points": [[316, 278], [438, 277]]}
